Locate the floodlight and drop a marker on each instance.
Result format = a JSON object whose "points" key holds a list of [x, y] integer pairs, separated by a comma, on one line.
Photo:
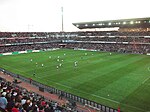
{"points": [[131, 22], [109, 23], [93, 24], [124, 22], [118, 23], [86, 25], [137, 22], [77, 25]]}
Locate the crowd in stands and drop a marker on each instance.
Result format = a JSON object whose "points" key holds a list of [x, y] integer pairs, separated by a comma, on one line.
{"points": [[126, 42], [79, 36], [114, 39], [13, 48], [72, 34], [57, 39], [17, 99], [113, 33], [122, 48], [27, 40], [12, 99], [36, 34]]}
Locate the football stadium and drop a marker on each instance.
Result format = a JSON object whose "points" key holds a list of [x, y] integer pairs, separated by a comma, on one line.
{"points": [[104, 66], [101, 70]]}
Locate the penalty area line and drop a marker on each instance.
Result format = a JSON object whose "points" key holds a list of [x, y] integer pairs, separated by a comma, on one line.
{"points": [[117, 102], [148, 77], [146, 80], [98, 96], [105, 98]]}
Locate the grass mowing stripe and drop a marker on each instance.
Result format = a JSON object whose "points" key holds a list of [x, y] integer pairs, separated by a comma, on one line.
{"points": [[86, 73], [105, 72], [13, 68], [118, 102], [97, 96], [88, 77]]}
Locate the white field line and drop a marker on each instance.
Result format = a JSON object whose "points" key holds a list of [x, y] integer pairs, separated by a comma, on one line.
{"points": [[117, 102], [104, 98], [64, 85], [146, 80], [148, 77], [93, 94], [98, 96]]}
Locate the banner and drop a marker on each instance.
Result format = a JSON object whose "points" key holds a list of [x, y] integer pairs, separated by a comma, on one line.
{"points": [[27, 51]]}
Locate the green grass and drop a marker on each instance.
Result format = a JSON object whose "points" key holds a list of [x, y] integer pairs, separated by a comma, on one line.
{"points": [[112, 80]]}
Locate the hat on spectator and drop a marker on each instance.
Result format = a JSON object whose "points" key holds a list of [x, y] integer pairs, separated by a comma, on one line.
{"points": [[15, 93], [4, 93], [4, 87]]}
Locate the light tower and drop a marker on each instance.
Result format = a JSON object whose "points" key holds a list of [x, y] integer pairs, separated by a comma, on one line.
{"points": [[62, 20]]}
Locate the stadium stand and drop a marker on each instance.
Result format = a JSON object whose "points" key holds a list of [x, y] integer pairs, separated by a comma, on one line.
{"points": [[20, 99], [124, 44], [135, 39]]}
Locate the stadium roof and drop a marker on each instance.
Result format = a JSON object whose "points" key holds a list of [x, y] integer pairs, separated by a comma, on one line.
{"points": [[133, 22]]}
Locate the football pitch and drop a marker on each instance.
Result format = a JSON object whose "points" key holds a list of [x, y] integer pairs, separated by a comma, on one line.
{"points": [[111, 79]]}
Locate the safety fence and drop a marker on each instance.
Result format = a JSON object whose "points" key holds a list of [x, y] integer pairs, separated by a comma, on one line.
{"points": [[42, 87]]}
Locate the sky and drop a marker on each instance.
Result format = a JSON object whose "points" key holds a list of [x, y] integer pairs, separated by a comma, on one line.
{"points": [[45, 15]]}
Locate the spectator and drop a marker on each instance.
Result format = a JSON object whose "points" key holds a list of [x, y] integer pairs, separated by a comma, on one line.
{"points": [[3, 100]]}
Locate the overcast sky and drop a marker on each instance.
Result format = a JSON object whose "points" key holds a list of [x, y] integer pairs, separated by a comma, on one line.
{"points": [[45, 15]]}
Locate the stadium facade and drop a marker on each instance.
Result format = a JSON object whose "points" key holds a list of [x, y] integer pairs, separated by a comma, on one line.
{"points": [[134, 24], [132, 36]]}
